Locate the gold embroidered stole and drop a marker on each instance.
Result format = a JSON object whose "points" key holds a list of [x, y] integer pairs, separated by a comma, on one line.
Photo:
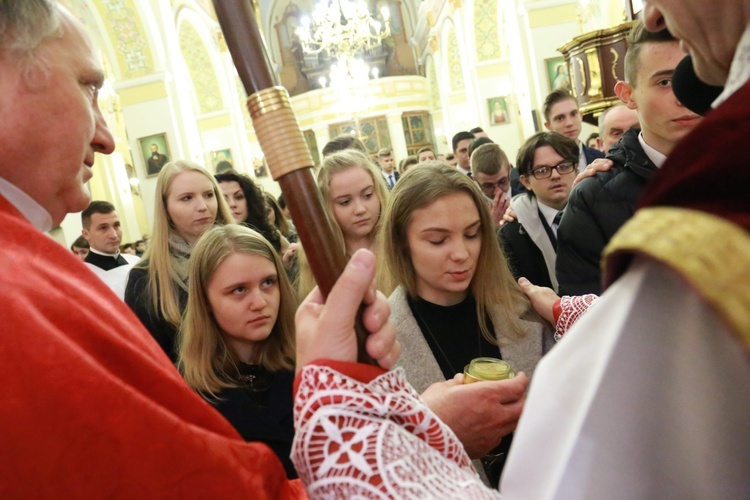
{"points": [[710, 253]]}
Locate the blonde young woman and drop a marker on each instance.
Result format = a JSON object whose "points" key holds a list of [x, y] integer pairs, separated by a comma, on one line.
{"points": [[188, 202], [354, 193], [237, 340], [456, 299]]}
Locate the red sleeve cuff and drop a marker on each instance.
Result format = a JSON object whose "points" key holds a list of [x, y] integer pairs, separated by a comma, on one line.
{"points": [[358, 371], [557, 310]]}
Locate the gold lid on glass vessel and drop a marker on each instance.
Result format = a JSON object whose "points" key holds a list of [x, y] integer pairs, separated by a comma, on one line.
{"points": [[487, 369]]}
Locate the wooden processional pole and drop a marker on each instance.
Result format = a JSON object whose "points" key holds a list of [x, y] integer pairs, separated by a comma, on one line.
{"points": [[284, 147]]}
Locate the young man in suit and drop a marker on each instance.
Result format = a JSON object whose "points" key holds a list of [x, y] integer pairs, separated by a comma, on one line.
{"points": [[547, 164], [461, 142], [103, 231], [562, 116], [491, 171], [388, 167]]}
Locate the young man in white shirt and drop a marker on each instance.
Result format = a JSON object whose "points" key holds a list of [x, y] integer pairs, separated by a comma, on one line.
{"points": [[387, 165]]}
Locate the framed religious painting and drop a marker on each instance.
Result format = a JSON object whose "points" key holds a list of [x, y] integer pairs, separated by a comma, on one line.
{"points": [[155, 153], [557, 74], [260, 168], [498, 109], [221, 160]]}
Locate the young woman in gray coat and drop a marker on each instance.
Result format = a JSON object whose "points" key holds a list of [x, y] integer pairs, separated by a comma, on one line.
{"points": [[455, 298]]}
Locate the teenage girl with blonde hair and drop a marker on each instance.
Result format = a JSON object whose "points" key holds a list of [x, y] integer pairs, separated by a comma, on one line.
{"points": [[188, 202], [236, 344], [354, 194], [456, 299]]}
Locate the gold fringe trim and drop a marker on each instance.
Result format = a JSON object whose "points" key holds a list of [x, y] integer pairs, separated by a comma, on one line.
{"points": [[710, 253]]}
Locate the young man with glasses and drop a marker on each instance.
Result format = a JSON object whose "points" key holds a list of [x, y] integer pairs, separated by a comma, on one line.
{"points": [[547, 164], [490, 169]]}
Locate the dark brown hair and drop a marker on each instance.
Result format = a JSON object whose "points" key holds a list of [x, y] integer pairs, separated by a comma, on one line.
{"points": [[564, 146]]}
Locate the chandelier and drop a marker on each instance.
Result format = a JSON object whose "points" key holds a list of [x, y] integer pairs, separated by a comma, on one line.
{"points": [[349, 71], [349, 79], [342, 28]]}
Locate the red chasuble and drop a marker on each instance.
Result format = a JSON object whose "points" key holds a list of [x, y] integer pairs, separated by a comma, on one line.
{"points": [[90, 406]]}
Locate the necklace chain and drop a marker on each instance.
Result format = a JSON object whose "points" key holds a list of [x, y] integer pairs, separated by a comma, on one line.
{"points": [[435, 340]]}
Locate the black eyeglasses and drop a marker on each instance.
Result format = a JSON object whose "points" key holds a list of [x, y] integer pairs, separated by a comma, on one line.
{"points": [[490, 186], [562, 168]]}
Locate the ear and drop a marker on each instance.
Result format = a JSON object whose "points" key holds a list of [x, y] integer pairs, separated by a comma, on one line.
{"points": [[85, 234], [525, 181], [625, 92], [599, 143], [546, 124]]}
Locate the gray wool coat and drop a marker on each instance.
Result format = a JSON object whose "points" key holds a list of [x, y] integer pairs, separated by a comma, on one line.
{"points": [[423, 370]]}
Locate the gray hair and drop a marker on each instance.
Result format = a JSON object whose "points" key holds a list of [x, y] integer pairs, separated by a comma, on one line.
{"points": [[25, 24]]}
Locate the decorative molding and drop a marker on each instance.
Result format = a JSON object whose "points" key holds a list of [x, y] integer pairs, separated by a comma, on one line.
{"points": [[435, 102], [434, 44], [125, 28], [486, 32], [198, 62], [455, 67]]}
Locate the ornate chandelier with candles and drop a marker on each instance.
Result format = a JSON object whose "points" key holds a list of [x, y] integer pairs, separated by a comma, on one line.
{"points": [[342, 28]]}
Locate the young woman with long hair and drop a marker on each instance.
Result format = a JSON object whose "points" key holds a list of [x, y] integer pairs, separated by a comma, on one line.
{"points": [[248, 205], [277, 219], [188, 202], [456, 299], [236, 344], [354, 193]]}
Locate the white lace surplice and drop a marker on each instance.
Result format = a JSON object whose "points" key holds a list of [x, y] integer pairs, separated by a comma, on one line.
{"points": [[375, 440]]}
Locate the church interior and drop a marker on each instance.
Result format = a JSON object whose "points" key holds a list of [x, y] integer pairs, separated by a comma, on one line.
{"points": [[426, 70]]}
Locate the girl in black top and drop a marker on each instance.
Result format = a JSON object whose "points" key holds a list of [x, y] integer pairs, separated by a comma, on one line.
{"points": [[188, 202], [237, 339]]}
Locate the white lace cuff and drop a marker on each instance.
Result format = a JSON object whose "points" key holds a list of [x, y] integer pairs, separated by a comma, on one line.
{"points": [[375, 440], [572, 308]]}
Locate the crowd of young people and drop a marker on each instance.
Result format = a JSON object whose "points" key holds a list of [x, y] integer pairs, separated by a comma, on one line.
{"points": [[91, 391]]}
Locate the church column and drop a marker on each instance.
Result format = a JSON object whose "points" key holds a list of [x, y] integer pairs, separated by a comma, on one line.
{"points": [[322, 136], [396, 130]]}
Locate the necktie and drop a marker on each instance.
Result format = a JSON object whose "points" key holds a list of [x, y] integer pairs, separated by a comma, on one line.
{"points": [[556, 220], [390, 180]]}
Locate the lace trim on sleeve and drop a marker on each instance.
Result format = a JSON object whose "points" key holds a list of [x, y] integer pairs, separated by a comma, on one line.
{"points": [[572, 308], [375, 440]]}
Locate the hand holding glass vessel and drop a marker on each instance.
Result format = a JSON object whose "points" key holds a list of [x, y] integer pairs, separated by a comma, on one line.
{"points": [[487, 369]]}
